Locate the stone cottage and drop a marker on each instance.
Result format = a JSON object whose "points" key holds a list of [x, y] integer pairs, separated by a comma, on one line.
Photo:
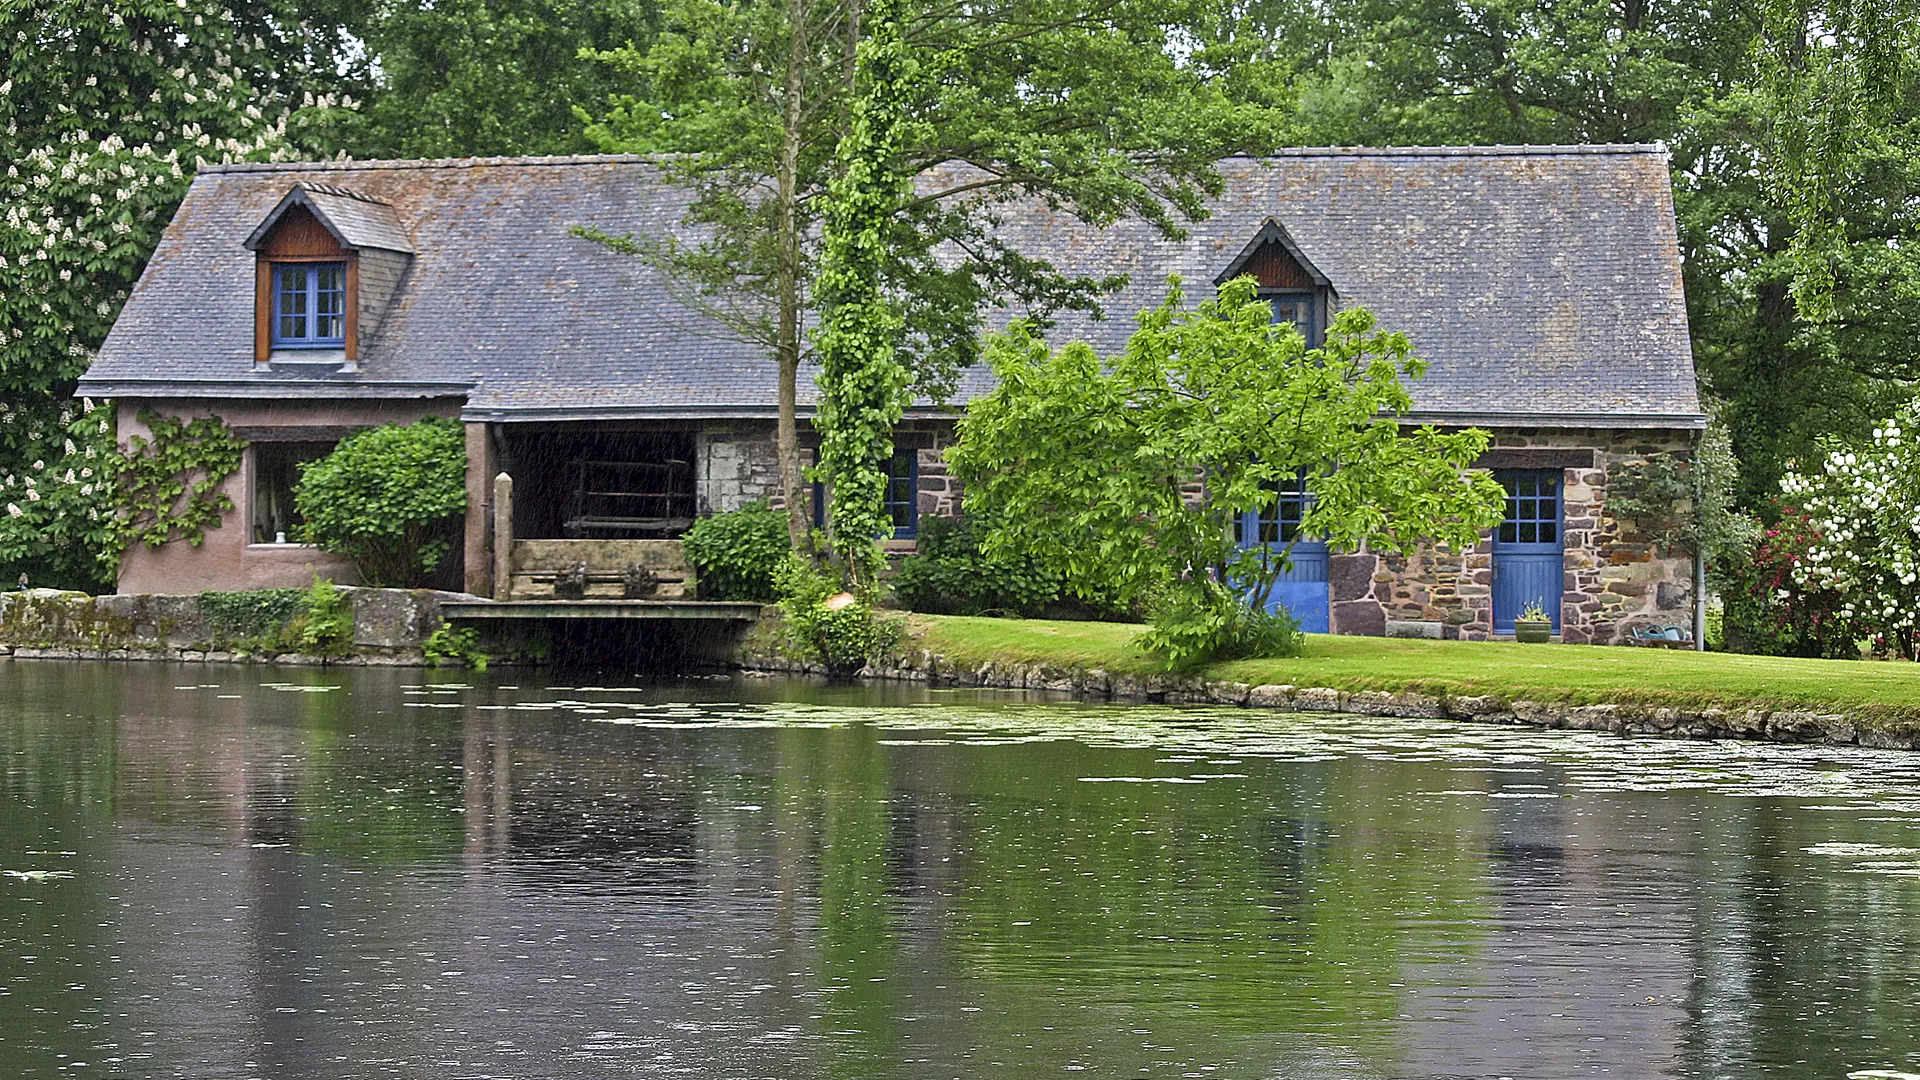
{"points": [[300, 302]]}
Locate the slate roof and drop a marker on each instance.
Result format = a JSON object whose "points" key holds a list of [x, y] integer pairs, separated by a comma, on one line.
{"points": [[356, 219], [1541, 284]]}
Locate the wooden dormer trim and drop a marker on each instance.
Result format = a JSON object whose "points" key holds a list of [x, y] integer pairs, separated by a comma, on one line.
{"points": [[353, 307], [1276, 261], [298, 237], [262, 309]]}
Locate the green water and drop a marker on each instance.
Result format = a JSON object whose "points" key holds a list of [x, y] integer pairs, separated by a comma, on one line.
{"points": [[215, 872]]}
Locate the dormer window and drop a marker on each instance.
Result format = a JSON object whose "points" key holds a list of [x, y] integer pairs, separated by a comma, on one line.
{"points": [[330, 262], [1299, 292], [310, 305], [1299, 308]]}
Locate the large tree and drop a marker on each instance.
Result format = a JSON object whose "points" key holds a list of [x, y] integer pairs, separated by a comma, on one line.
{"points": [[1109, 110], [1089, 464], [105, 109], [466, 78]]}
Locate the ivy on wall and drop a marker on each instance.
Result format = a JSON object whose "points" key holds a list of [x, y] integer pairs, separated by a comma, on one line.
{"points": [[863, 385], [169, 482], [70, 514]]}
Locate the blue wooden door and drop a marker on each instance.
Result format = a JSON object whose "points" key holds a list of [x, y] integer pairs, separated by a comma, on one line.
{"points": [[1302, 588], [1528, 563]]}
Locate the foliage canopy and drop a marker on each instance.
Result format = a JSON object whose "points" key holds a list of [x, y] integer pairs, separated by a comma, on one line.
{"points": [[389, 499], [1127, 477]]}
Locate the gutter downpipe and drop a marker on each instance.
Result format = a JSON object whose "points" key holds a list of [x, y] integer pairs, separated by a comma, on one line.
{"points": [[1699, 600]]}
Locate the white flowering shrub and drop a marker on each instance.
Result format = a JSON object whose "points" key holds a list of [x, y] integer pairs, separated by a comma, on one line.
{"points": [[105, 110], [60, 524], [1861, 511], [68, 514]]}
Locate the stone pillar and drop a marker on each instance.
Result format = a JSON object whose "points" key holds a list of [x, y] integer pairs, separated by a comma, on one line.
{"points": [[503, 537], [478, 542]]}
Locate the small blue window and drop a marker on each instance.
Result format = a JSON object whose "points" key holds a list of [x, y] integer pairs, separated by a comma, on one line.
{"points": [[1302, 309], [310, 305], [1278, 522], [903, 496]]}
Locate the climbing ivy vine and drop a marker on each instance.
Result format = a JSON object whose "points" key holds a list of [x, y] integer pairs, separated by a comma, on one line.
{"points": [[72, 511], [170, 481], [863, 384]]}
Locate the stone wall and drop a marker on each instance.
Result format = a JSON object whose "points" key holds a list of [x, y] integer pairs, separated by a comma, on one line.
{"points": [[1615, 577], [734, 464], [389, 626], [739, 462]]}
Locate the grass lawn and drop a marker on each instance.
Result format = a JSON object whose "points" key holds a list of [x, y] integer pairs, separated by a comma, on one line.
{"points": [[1572, 673]]}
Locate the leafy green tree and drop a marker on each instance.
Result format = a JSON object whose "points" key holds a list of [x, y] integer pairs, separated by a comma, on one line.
{"points": [[1114, 110], [1128, 476], [389, 499], [105, 109], [466, 78], [863, 385]]}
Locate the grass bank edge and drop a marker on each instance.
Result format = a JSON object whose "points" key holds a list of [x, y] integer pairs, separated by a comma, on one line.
{"points": [[1886, 696]]}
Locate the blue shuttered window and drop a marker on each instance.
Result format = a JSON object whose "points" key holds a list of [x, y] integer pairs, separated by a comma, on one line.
{"points": [[1302, 310], [310, 305], [902, 499], [1279, 521]]}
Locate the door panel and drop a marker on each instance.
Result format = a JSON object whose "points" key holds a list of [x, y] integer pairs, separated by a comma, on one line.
{"points": [[1528, 547], [1302, 589]]}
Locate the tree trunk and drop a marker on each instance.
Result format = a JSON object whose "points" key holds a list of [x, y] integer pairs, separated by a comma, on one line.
{"points": [[787, 348]]}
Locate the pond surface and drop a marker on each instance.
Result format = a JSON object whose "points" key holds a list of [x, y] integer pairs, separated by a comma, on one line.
{"points": [[221, 872]]}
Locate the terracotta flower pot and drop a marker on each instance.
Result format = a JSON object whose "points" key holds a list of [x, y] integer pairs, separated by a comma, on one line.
{"points": [[1537, 631]]}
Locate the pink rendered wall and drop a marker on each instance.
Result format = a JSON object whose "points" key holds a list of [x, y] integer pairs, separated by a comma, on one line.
{"points": [[225, 560]]}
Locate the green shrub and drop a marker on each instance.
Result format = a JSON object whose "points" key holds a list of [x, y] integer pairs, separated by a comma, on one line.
{"points": [[951, 576], [842, 634], [736, 553], [462, 645], [256, 619], [325, 624], [389, 499], [1204, 622]]}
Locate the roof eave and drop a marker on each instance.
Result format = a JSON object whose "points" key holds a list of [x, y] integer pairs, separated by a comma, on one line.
{"points": [[271, 389]]}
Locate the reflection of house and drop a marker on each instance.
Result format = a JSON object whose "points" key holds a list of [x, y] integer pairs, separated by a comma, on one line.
{"points": [[1542, 285]]}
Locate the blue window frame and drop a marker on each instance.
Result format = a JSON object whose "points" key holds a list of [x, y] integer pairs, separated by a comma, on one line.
{"points": [[1533, 507], [1278, 522], [309, 305], [1302, 309], [902, 499]]}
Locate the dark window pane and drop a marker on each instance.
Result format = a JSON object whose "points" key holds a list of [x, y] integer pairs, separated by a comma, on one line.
{"points": [[1507, 532], [1547, 532], [276, 473]]}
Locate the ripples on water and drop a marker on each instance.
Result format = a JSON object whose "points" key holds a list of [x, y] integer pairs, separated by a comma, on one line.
{"points": [[211, 873]]}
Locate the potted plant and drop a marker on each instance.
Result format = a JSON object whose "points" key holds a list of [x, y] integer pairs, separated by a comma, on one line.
{"points": [[1533, 624]]}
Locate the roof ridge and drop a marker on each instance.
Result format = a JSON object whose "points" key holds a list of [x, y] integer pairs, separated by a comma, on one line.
{"points": [[353, 164], [345, 193], [1483, 150], [1479, 150]]}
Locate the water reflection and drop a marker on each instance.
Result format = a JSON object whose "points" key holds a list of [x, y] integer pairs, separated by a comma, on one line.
{"points": [[367, 874]]}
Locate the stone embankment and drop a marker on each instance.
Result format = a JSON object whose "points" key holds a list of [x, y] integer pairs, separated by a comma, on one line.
{"points": [[389, 627], [1756, 722]]}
